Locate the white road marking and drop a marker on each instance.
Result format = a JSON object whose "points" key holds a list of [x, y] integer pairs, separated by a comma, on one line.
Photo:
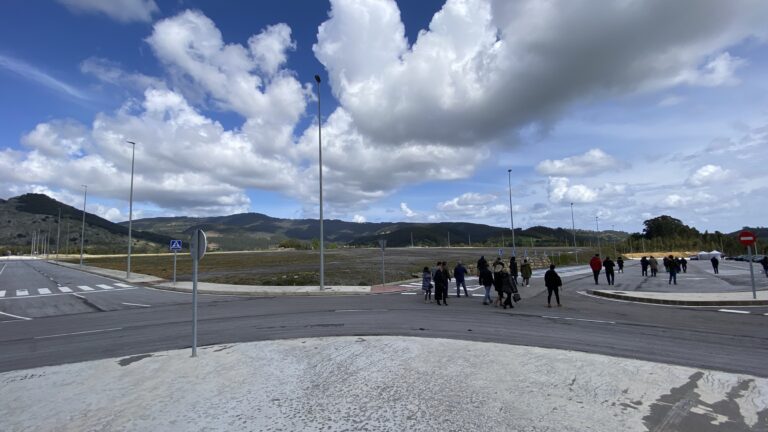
{"points": [[104, 286], [362, 310], [78, 333], [43, 291], [124, 285], [136, 304], [61, 294], [65, 289], [15, 316], [408, 293], [2, 293], [85, 287], [578, 319], [21, 293], [733, 311], [3, 269]]}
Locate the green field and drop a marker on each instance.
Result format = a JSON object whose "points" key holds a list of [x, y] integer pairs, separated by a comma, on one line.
{"points": [[358, 266]]}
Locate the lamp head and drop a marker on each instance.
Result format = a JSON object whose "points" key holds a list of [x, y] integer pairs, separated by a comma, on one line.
{"points": [[317, 78]]}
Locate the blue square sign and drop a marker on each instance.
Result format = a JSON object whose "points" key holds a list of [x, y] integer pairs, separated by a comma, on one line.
{"points": [[175, 245]]}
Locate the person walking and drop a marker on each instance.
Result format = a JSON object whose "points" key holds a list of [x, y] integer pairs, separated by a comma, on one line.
{"points": [[481, 264], [553, 283], [620, 263], [672, 270], [684, 264], [666, 264], [644, 266], [764, 263], [654, 265], [526, 272], [426, 285], [498, 268], [715, 264], [596, 265], [441, 284], [513, 268], [447, 275], [458, 272], [509, 287], [486, 280], [609, 265]]}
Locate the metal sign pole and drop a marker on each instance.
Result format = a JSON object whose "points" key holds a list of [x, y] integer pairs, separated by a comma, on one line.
{"points": [[194, 304], [174, 267], [751, 272]]}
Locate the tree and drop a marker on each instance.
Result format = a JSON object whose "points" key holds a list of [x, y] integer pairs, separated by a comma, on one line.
{"points": [[668, 227]]}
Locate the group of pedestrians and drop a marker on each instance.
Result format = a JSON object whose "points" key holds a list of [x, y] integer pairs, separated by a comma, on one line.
{"points": [[495, 276], [609, 265]]}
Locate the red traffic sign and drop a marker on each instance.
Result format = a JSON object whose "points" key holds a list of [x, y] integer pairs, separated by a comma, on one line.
{"points": [[747, 238]]}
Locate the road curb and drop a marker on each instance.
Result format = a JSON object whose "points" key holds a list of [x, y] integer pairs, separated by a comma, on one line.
{"points": [[618, 296], [258, 293]]}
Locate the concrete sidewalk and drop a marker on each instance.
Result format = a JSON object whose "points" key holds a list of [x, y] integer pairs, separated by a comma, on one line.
{"points": [[741, 298], [378, 384]]}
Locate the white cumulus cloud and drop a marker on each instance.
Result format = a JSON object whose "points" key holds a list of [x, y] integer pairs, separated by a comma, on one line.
{"points": [[407, 211], [119, 10], [594, 161], [708, 174]]}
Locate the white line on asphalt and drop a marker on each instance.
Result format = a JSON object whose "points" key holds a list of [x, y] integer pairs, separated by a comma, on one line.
{"points": [[104, 286], [78, 333], [15, 316], [85, 287], [408, 293], [21, 293], [43, 291], [578, 319], [136, 304], [61, 294], [65, 289], [733, 311], [124, 285], [2, 293], [362, 310], [652, 304], [3, 269]]}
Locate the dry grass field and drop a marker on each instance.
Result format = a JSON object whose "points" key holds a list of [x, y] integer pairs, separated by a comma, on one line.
{"points": [[359, 266]]}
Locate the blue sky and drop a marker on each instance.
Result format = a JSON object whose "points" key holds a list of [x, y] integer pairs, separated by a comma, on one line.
{"points": [[628, 110]]}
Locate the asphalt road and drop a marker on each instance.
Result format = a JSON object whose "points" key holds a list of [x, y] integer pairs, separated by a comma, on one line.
{"points": [[40, 329]]}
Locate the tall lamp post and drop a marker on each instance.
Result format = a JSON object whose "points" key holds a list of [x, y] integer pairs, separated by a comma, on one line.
{"points": [[613, 240], [573, 229], [82, 232], [130, 212], [597, 226], [511, 216], [320, 166]]}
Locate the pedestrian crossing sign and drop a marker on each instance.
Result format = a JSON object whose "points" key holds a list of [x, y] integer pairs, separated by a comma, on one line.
{"points": [[175, 245]]}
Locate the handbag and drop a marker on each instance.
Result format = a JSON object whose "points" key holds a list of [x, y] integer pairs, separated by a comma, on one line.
{"points": [[516, 297]]}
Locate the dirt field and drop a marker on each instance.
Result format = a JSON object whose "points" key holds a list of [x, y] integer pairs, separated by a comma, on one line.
{"points": [[358, 266]]}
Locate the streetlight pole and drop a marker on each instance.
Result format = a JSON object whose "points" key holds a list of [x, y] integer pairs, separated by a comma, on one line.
{"points": [[573, 229], [320, 166], [82, 232], [613, 228], [58, 234], [511, 215], [597, 226], [130, 211]]}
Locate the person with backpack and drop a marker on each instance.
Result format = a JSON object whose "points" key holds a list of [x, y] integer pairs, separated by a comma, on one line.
{"points": [[654, 264], [526, 272], [498, 283], [426, 285], [596, 265], [644, 266], [609, 275], [672, 270], [620, 263], [458, 272], [553, 283], [486, 280]]}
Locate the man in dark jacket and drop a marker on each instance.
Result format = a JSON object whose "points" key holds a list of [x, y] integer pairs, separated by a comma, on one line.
{"points": [[620, 263], [513, 268], [553, 283], [486, 280], [684, 264], [481, 264], [715, 264], [609, 265], [764, 263], [673, 270], [441, 284], [458, 272], [644, 266]]}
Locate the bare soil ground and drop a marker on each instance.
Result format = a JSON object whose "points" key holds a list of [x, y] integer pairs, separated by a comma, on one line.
{"points": [[359, 266]]}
